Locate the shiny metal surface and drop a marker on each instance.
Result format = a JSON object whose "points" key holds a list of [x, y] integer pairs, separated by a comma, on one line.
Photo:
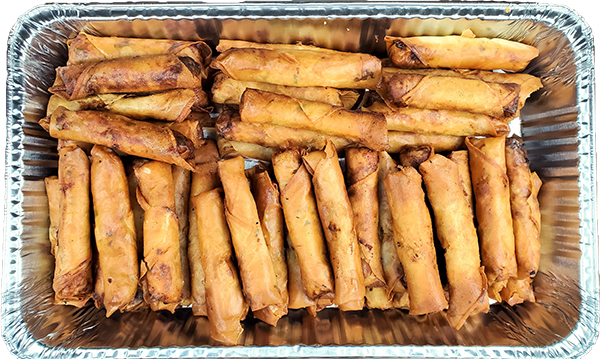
{"points": [[557, 125]]}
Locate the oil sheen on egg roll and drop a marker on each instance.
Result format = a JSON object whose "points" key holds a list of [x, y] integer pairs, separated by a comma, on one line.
{"points": [[249, 150], [53, 193], [337, 221], [303, 224], [456, 231], [228, 91], [270, 214], [73, 282], [438, 121], [361, 172], [487, 160], [114, 229], [399, 141], [459, 52], [413, 234], [230, 127], [182, 181], [254, 259], [298, 65], [225, 302], [127, 75], [461, 158], [366, 128], [161, 270], [137, 138]]}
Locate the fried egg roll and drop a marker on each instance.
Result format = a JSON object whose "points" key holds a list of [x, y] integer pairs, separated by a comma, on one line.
{"points": [[249, 150], [361, 172], [459, 52], [127, 75], [366, 128], [53, 193], [137, 138], [73, 282], [254, 259], [182, 181], [401, 140], [413, 234], [114, 229], [461, 158], [337, 221], [456, 231], [225, 302], [303, 224], [414, 156], [487, 160], [297, 65], [298, 299]]}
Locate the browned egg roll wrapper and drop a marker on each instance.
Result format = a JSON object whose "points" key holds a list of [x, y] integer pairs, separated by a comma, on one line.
{"points": [[459, 52], [270, 213], [298, 65], [456, 231], [249, 150], [440, 143], [298, 298], [361, 171], [452, 93], [138, 212], [303, 224], [73, 282], [413, 234], [366, 128], [461, 158], [414, 156], [517, 291], [182, 180], [226, 306], [438, 121], [53, 193], [127, 75], [190, 128], [487, 161], [114, 229], [253, 256], [98, 296], [230, 127], [137, 138], [337, 220]]}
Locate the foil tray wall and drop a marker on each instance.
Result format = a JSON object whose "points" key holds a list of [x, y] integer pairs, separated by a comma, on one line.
{"points": [[557, 125]]}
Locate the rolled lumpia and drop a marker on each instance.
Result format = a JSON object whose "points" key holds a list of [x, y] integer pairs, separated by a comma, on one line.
{"points": [[440, 143], [414, 156], [182, 182], [461, 158], [53, 193]]}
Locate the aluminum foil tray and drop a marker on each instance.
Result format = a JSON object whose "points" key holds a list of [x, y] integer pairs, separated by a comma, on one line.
{"points": [[557, 125]]}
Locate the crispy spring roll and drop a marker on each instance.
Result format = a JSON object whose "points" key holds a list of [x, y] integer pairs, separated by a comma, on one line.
{"points": [[298, 298], [413, 234], [226, 306], [53, 194], [459, 52], [517, 291], [304, 227], [366, 128], [297, 65], [271, 220], [137, 138], [73, 283], [114, 229], [440, 143], [440, 121], [414, 156], [249, 150], [182, 181], [191, 128], [461, 158], [337, 220], [254, 259], [230, 127], [127, 75], [361, 171], [456, 231], [487, 160]]}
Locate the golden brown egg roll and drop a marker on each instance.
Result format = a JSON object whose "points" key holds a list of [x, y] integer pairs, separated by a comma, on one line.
{"points": [[298, 65], [460, 52], [518, 290], [414, 156], [461, 158], [413, 234], [337, 221], [303, 224], [73, 282], [366, 128], [253, 256], [249, 150], [182, 181], [137, 138], [438, 121], [456, 231], [487, 160], [114, 229], [361, 171], [226, 305], [270, 214], [53, 193], [298, 299], [230, 127], [127, 75], [440, 143], [191, 128]]}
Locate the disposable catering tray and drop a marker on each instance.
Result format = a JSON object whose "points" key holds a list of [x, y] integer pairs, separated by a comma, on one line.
{"points": [[557, 125]]}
